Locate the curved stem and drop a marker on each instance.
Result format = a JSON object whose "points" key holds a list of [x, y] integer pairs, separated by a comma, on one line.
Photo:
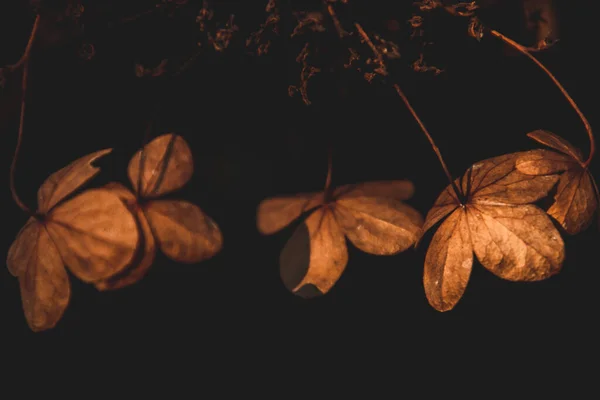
{"points": [[13, 166], [431, 141], [526, 52]]}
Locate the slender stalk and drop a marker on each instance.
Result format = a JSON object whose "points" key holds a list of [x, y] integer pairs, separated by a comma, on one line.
{"points": [[336, 21], [327, 189], [146, 139], [436, 150], [526, 52], [379, 58], [24, 61]]}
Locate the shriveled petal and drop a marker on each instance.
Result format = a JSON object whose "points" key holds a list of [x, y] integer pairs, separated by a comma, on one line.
{"points": [[544, 162], [315, 256], [44, 283], [122, 192], [166, 164], [448, 262], [556, 142], [144, 257], [575, 201], [66, 180], [399, 190], [183, 232], [276, 213], [95, 233], [446, 202], [23, 247], [497, 181], [378, 225], [517, 243]]}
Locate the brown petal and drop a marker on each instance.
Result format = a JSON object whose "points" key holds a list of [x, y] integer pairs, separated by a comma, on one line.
{"points": [[448, 262], [444, 205], [183, 232], [23, 247], [380, 226], [45, 288], [575, 201], [315, 256], [497, 181], [556, 142], [144, 257], [167, 166], [95, 233], [487, 172], [276, 213], [122, 192], [66, 180], [399, 190], [544, 162], [517, 243]]}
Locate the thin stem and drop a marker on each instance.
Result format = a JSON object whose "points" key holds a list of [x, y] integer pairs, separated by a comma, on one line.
{"points": [[24, 61], [327, 189], [526, 52], [381, 63], [145, 141], [378, 56], [431, 141], [336, 21]]}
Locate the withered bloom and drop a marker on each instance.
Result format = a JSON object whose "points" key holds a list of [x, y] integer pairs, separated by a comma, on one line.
{"points": [[93, 234], [182, 231], [370, 215], [493, 218], [576, 201]]}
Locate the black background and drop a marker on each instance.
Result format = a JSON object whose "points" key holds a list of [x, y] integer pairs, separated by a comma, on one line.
{"points": [[250, 140]]}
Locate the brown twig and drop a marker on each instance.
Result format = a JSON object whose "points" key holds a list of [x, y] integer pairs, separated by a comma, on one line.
{"points": [[336, 21], [526, 52], [24, 61], [429, 137], [327, 189], [380, 61], [379, 58]]}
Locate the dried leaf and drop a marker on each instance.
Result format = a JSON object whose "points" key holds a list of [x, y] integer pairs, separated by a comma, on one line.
{"points": [[369, 214], [379, 226], [146, 251], [93, 234], [278, 212], [315, 256], [45, 289], [23, 248], [576, 201], [510, 237], [167, 165], [515, 243], [184, 233], [68, 179], [399, 190], [448, 262]]}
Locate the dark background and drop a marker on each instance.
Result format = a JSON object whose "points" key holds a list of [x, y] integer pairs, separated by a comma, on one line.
{"points": [[250, 140]]}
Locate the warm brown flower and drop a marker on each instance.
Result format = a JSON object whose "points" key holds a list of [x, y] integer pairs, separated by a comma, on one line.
{"points": [[93, 234], [492, 217], [183, 232], [370, 215], [576, 201]]}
